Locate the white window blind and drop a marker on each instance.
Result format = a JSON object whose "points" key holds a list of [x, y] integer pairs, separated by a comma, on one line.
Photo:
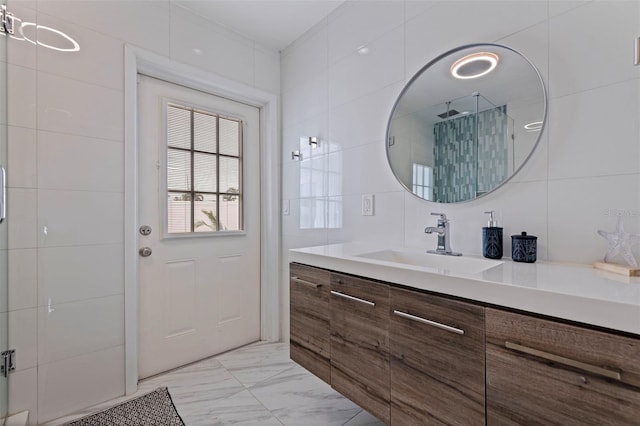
{"points": [[204, 171]]}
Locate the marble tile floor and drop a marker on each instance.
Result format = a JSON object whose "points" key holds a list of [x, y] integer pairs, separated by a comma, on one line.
{"points": [[254, 385]]}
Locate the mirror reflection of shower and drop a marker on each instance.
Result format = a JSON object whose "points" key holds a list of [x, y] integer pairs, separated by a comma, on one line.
{"points": [[30, 32], [472, 147], [457, 150]]}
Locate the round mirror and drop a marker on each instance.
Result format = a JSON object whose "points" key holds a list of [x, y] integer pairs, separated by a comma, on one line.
{"points": [[466, 123]]}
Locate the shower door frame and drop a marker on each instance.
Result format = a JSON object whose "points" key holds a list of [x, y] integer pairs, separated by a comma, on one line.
{"points": [[137, 60], [4, 232]]}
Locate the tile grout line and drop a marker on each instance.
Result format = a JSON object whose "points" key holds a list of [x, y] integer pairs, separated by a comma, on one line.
{"points": [[248, 389]]}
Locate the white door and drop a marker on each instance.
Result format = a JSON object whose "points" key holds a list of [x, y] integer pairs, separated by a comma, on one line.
{"points": [[199, 194]]}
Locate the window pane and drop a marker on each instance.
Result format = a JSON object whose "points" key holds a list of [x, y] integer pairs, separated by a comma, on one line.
{"points": [[204, 132], [178, 127], [179, 212], [229, 175], [178, 170], [229, 137], [230, 212], [334, 213], [205, 218], [204, 172]]}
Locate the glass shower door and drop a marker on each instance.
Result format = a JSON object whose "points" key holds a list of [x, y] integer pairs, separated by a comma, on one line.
{"points": [[4, 234]]}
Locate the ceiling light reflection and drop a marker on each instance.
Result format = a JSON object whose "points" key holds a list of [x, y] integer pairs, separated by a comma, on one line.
{"points": [[474, 65], [75, 46], [534, 126]]}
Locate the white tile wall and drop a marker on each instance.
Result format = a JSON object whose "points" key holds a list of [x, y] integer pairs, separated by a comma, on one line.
{"points": [[143, 23], [586, 166], [75, 218], [450, 24], [387, 223], [71, 329], [79, 163], [68, 274], [21, 207], [362, 120], [21, 153], [99, 61], [354, 163], [306, 101], [66, 172], [358, 24], [608, 58], [357, 75], [308, 62], [23, 337], [24, 393], [70, 106], [617, 108], [208, 47], [23, 279], [312, 126], [592, 205], [25, 56], [21, 89], [69, 385], [266, 69]]}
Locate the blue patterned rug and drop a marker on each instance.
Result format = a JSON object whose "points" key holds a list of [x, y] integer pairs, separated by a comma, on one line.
{"points": [[152, 409]]}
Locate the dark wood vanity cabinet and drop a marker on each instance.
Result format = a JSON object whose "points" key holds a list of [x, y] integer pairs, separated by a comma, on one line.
{"points": [[309, 319], [360, 342], [414, 358], [545, 372], [437, 360]]}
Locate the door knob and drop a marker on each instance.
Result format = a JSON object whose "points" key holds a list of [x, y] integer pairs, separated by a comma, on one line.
{"points": [[145, 251]]}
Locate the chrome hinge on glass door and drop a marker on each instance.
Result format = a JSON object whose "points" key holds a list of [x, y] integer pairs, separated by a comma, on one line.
{"points": [[7, 20], [3, 194], [7, 362]]}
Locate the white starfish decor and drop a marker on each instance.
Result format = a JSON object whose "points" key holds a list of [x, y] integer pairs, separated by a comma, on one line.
{"points": [[620, 242]]}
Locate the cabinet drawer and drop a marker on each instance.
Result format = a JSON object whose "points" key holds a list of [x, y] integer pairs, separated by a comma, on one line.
{"points": [[437, 360], [545, 372], [360, 342], [310, 344]]}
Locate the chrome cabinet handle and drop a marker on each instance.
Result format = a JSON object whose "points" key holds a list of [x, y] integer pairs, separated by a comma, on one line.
{"points": [[305, 282], [611, 374], [429, 322], [3, 194], [355, 299]]}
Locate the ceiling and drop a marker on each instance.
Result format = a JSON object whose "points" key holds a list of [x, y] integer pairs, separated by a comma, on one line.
{"points": [[272, 23]]}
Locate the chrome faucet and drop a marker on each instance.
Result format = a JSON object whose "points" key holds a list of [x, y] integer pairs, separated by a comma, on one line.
{"points": [[443, 236]]}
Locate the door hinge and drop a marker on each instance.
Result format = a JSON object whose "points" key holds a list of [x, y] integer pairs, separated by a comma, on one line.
{"points": [[7, 362], [6, 20]]}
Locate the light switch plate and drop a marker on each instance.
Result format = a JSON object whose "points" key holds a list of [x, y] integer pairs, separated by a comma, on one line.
{"points": [[367, 205], [285, 207]]}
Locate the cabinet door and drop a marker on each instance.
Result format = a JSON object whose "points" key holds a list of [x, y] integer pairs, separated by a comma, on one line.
{"points": [[544, 372], [360, 342], [309, 319], [437, 360]]}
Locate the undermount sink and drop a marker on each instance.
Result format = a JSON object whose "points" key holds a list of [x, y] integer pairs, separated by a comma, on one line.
{"points": [[444, 264]]}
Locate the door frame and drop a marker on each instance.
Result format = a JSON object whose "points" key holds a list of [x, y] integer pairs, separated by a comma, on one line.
{"points": [[137, 60]]}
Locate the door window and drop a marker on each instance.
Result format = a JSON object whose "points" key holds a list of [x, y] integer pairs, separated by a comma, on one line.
{"points": [[203, 171]]}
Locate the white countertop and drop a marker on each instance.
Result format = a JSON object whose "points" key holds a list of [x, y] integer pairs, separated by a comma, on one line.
{"points": [[569, 291]]}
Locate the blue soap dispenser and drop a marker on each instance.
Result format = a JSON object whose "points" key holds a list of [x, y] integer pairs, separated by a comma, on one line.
{"points": [[492, 238]]}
